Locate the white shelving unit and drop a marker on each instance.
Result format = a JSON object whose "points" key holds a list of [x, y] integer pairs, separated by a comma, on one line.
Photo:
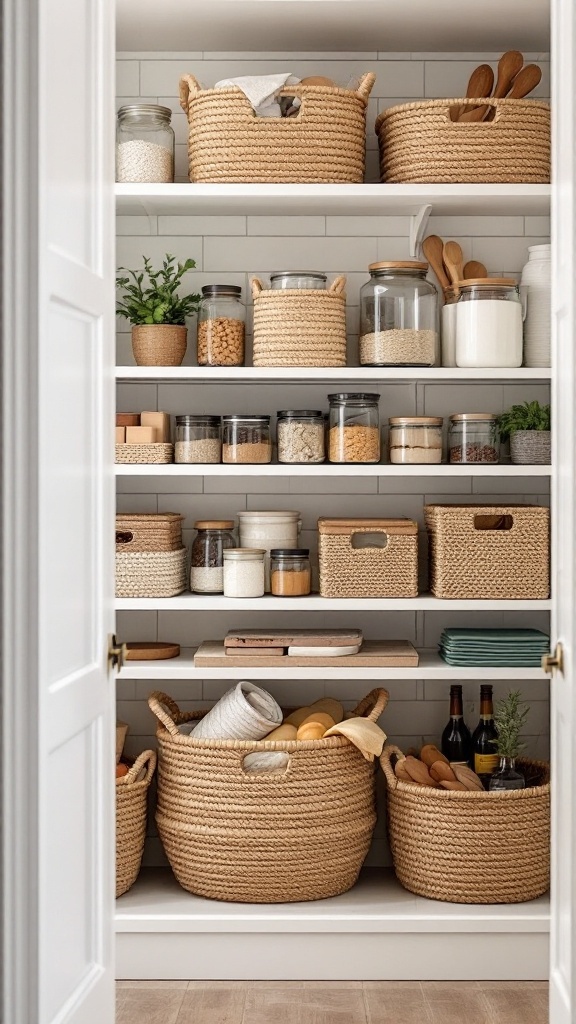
{"points": [[329, 470], [315, 603], [328, 374]]}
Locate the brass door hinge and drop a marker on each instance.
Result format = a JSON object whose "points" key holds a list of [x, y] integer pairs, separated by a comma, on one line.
{"points": [[553, 662], [116, 653]]}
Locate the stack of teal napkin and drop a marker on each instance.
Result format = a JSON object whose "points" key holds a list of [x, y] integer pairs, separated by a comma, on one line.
{"points": [[497, 648]]}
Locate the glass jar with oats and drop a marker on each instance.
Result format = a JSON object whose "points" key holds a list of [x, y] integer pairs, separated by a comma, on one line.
{"points": [[399, 316]]}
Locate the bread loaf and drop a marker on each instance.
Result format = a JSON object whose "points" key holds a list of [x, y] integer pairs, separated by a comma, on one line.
{"points": [[453, 785], [429, 754], [310, 731], [440, 770], [418, 771], [467, 777]]}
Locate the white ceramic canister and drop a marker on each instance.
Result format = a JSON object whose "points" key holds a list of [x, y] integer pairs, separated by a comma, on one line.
{"points": [[448, 320], [489, 323], [269, 530], [537, 281]]}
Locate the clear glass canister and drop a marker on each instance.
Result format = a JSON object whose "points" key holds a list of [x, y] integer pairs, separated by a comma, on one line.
{"points": [[246, 439], [300, 435], [415, 440], [448, 317], [298, 279], [207, 556], [290, 573], [399, 316], [144, 143], [197, 439], [489, 323], [473, 437], [221, 320], [244, 572], [354, 432]]}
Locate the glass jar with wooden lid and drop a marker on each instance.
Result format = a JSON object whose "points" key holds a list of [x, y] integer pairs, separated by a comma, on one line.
{"points": [[399, 316], [214, 537], [473, 437], [415, 440]]}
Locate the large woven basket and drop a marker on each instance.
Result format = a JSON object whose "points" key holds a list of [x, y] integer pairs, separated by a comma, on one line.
{"points": [[469, 847], [148, 531], [324, 142], [151, 573], [131, 796], [492, 552], [299, 326], [371, 571], [263, 837], [420, 143]]}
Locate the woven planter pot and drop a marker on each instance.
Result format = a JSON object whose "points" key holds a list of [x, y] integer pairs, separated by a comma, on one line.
{"points": [[131, 796], [278, 837], [159, 344], [324, 142], [469, 847], [531, 447], [299, 326], [420, 143]]}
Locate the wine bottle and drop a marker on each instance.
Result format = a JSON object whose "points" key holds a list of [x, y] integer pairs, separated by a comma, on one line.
{"points": [[485, 754], [456, 738]]}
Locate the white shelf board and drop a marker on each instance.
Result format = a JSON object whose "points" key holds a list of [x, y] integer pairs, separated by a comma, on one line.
{"points": [[343, 200], [325, 374], [431, 667], [327, 469], [315, 603]]}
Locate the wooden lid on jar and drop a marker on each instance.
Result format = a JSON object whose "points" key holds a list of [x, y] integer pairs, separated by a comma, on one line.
{"points": [[487, 282], [398, 265], [415, 421], [214, 524], [468, 416]]}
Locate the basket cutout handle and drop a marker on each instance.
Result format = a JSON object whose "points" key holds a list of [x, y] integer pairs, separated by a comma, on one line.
{"points": [[273, 774], [189, 88], [488, 101], [373, 704], [256, 286], [124, 536], [166, 710], [146, 758], [361, 541], [485, 523], [338, 285]]}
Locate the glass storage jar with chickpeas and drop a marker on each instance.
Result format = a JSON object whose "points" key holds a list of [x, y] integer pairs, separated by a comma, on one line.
{"points": [[221, 326], [399, 316], [354, 431]]}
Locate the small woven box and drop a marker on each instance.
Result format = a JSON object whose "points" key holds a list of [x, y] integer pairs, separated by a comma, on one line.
{"points": [[368, 557], [299, 326], [489, 552], [131, 796], [148, 532], [157, 453], [151, 573]]}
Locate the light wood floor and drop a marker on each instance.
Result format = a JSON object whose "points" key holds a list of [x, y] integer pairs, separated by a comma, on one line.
{"points": [[352, 1002]]}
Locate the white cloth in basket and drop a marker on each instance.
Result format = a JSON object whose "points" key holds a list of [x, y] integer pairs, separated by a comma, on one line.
{"points": [[261, 90]]}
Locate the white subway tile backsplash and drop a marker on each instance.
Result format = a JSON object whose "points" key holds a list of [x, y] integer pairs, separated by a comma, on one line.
{"points": [[335, 255], [129, 251], [128, 78], [191, 226], [372, 227], [465, 227], [509, 253], [279, 227]]}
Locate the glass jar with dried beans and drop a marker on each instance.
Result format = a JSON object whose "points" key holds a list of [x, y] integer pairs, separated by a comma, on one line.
{"points": [[300, 436], [221, 317], [354, 433], [246, 439], [399, 316], [473, 437], [197, 439], [214, 537], [290, 572]]}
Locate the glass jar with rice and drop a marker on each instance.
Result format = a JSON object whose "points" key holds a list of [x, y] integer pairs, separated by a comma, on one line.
{"points": [[399, 316]]}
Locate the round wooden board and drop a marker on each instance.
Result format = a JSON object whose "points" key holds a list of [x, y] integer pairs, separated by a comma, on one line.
{"points": [[151, 651]]}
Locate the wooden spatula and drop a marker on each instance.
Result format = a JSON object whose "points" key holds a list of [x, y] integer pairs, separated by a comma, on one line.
{"points": [[479, 85], [433, 248], [453, 261], [474, 269], [526, 80]]}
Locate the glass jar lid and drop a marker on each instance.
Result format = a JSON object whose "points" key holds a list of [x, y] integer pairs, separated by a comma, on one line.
{"points": [[407, 266], [248, 418], [316, 275], [290, 553], [244, 554], [214, 524], [487, 282], [471, 417], [138, 111], [360, 397], [214, 290], [301, 414], [415, 421], [183, 421]]}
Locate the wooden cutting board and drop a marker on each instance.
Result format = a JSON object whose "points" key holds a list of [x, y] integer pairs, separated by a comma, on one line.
{"points": [[151, 651], [297, 638], [374, 654]]}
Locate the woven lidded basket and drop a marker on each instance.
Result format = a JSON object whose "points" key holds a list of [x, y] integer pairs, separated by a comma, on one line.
{"points": [[299, 326], [278, 837], [131, 796], [157, 453], [151, 573], [420, 143], [493, 552], [148, 531], [379, 569], [469, 847], [324, 142]]}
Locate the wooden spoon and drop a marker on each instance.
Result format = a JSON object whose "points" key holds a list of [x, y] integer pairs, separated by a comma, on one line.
{"points": [[526, 80], [433, 249], [474, 269], [509, 65], [453, 261], [479, 84]]}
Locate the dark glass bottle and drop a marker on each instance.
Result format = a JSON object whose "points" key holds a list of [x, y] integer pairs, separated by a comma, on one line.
{"points": [[456, 738], [486, 758]]}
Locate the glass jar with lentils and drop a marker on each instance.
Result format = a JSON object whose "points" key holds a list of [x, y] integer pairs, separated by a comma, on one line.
{"points": [[473, 437]]}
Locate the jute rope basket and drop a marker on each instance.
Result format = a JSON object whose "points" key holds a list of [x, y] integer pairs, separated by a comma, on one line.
{"points": [[131, 796], [299, 326], [151, 573], [347, 571], [420, 143], [492, 552], [148, 531], [157, 453], [470, 847], [298, 834], [324, 142]]}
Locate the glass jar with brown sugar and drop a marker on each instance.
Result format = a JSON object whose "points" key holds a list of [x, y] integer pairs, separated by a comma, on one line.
{"points": [[290, 572]]}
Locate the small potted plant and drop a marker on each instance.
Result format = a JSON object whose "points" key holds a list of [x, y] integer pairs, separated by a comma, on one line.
{"points": [[156, 311], [528, 427], [509, 718]]}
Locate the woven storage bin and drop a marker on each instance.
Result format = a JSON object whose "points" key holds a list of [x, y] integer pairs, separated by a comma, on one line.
{"points": [[348, 571], [531, 447], [267, 837], [131, 796], [148, 532], [324, 142], [157, 453], [299, 326], [469, 847], [419, 143], [151, 573], [490, 562]]}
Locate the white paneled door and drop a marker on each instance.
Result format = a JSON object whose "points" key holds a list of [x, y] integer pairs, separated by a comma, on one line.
{"points": [[59, 860]]}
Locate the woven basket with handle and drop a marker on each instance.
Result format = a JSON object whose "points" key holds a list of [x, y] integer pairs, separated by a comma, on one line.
{"points": [[473, 847], [420, 143], [369, 570], [324, 142], [131, 796], [299, 326], [278, 837]]}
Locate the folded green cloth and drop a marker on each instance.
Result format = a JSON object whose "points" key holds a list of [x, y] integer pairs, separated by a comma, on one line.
{"points": [[497, 648]]}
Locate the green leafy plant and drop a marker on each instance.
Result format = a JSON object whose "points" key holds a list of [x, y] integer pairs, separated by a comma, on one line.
{"points": [[509, 718], [529, 416], [156, 300]]}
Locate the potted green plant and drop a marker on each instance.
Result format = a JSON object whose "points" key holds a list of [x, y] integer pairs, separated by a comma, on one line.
{"points": [[509, 718], [151, 303], [528, 427]]}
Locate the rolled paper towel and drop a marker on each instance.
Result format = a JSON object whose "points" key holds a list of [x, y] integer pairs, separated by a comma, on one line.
{"points": [[246, 712]]}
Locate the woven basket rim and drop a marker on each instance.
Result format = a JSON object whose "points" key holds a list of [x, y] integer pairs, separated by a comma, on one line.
{"points": [[427, 792], [523, 104]]}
